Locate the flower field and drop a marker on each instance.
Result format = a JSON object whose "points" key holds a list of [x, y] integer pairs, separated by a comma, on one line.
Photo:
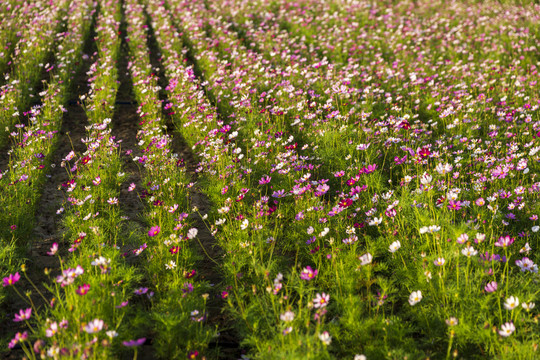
{"points": [[269, 179]]}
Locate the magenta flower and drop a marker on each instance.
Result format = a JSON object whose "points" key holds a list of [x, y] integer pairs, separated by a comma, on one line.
{"points": [[154, 230], [11, 279], [122, 304], [83, 289], [54, 249], [23, 315], [454, 205], [504, 241], [132, 343], [18, 338], [308, 273]]}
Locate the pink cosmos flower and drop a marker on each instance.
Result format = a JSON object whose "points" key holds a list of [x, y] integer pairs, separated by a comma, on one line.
{"points": [[321, 301], [51, 330], [53, 250], [504, 241], [308, 273], [491, 287], [454, 205], [94, 326], [154, 230], [23, 315], [11, 279], [18, 338], [132, 343], [83, 289]]}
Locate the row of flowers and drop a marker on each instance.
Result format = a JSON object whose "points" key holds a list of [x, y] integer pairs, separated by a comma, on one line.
{"points": [[177, 312], [30, 162], [268, 289], [38, 41], [95, 283], [13, 20]]}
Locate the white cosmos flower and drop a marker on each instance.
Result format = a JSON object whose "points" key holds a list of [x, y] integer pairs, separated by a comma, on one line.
{"points": [[507, 329], [245, 224], [439, 262], [469, 251], [366, 259], [287, 316], [415, 297], [192, 233], [511, 303], [376, 221], [325, 338], [394, 246], [425, 179]]}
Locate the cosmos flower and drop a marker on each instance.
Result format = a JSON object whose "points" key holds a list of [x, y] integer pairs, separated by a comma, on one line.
{"points": [[491, 287], [154, 230], [94, 326], [12, 279], [507, 329], [132, 343], [321, 301], [395, 246], [308, 273], [415, 297], [287, 316], [53, 250], [439, 261], [469, 251], [83, 289], [325, 338], [511, 303], [366, 259], [504, 241], [23, 315]]}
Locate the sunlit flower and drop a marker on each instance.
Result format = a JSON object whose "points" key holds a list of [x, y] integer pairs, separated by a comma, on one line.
{"points": [[394, 246], [325, 338], [321, 301], [439, 262], [507, 329], [154, 230], [415, 297], [469, 251], [511, 303], [94, 326], [308, 273], [366, 259], [287, 316]]}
